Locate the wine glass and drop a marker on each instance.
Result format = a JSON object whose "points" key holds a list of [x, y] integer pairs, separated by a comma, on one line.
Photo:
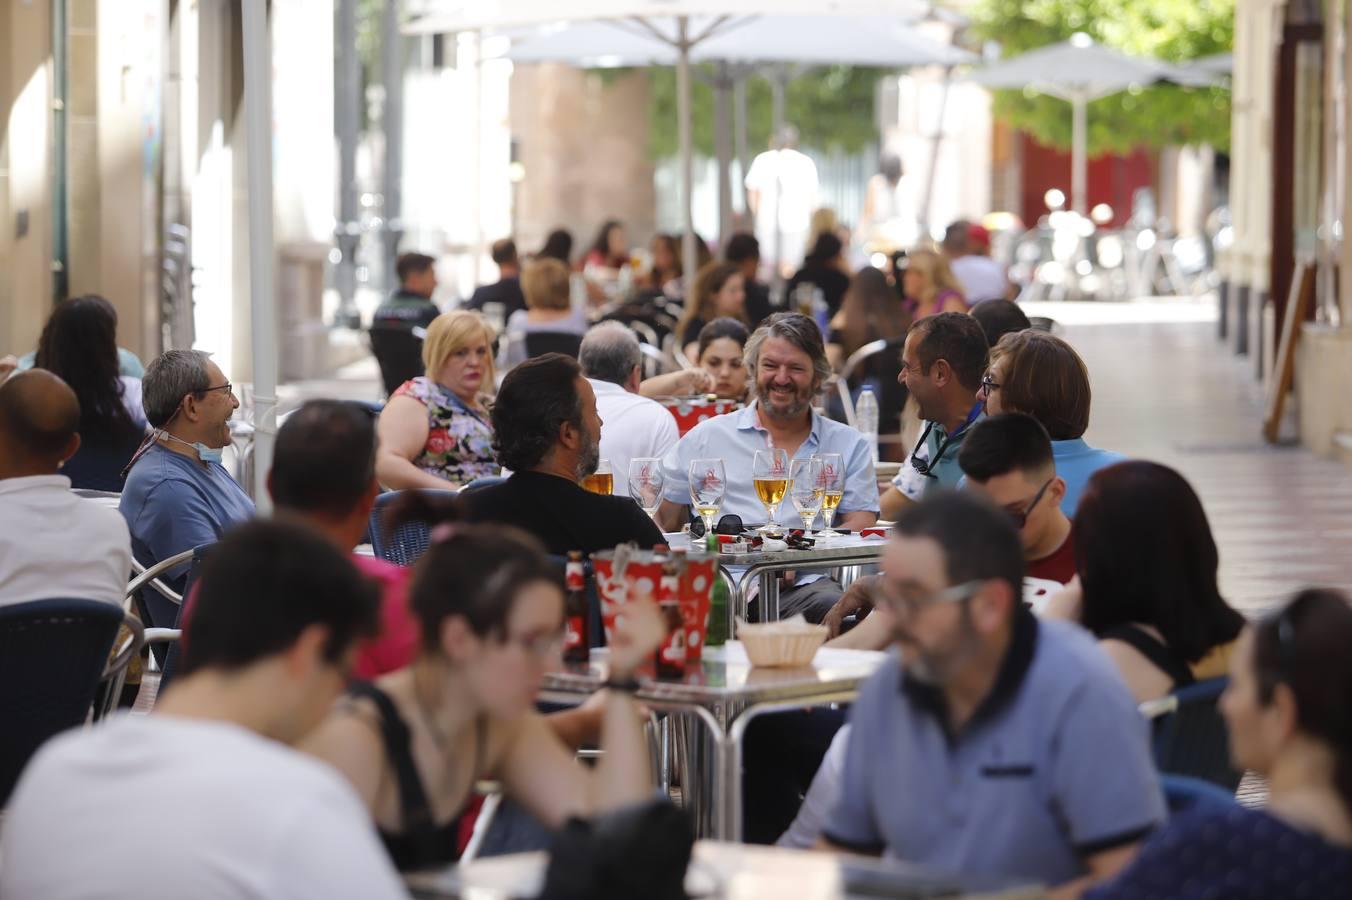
{"points": [[602, 481], [831, 483], [770, 472], [646, 482], [803, 490], [708, 482]]}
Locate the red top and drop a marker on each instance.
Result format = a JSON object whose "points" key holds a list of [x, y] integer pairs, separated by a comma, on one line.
{"points": [[1058, 566]]}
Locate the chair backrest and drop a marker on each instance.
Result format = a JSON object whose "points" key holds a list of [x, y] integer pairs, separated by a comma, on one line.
{"points": [[169, 654], [53, 654], [398, 351], [483, 481], [1183, 793], [1189, 734], [538, 343], [404, 544], [99, 462], [877, 362]]}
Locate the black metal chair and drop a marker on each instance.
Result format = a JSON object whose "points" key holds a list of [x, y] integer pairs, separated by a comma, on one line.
{"points": [[879, 361], [53, 655], [1189, 734], [398, 350], [404, 544], [538, 343]]}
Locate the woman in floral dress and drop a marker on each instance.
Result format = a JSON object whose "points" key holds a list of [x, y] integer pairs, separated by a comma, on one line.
{"points": [[435, 430]]}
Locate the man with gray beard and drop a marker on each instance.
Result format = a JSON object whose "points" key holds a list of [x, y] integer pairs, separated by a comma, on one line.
{"points": [[548, 433]]}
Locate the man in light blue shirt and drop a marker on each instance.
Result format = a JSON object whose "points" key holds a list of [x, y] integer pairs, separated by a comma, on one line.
{"points": [[178, 496], [991, 743], [788, 362]]}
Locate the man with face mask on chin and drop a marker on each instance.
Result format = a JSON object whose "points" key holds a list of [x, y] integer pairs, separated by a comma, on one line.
{"points": [[178, 495], [991, 742], [547, 432]]}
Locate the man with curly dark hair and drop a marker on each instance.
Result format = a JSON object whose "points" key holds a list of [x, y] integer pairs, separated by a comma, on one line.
{"points": [[547, 432]]}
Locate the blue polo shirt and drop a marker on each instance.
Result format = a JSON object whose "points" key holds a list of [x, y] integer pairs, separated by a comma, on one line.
{"points": [[736, 436], [174, 503], [1054, 766], [1075, 462]]}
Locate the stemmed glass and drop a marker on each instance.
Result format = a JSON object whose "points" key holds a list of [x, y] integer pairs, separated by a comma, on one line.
{"points": [[646, 482], [770, 472], [708, 482], [803, 490], [831, 483]]}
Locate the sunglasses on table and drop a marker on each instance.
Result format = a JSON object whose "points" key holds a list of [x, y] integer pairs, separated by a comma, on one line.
{"points": [[729, 524]]}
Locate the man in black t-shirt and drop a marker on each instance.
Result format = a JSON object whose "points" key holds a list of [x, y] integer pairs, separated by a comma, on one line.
{"points": [[548, 433], [744, 250], [506, 291]]}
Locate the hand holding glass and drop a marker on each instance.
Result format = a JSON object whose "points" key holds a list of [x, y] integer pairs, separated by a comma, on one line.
{"points": [[831, 483], [708, 482], [803, 490], [646, 482], [770, 472]]}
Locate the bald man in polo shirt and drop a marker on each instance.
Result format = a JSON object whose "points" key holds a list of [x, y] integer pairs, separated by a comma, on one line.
{"points": [[992, 742]]}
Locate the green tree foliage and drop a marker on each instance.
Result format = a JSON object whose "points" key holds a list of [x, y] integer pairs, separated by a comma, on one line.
{"points": [[831, 107], [1171, 30]]}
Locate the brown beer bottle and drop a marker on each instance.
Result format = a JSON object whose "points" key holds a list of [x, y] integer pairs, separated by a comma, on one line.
{"points": [[670, 661], [576, 638]]}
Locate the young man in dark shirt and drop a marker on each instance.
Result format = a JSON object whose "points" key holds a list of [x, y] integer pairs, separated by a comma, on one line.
{"points": [[548, 433], [507, 290], [412, 303], [744, 250]]}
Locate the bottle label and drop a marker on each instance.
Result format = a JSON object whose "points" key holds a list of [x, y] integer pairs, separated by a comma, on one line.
{"points": [[673, 651], [573, 630], [574, 579]]}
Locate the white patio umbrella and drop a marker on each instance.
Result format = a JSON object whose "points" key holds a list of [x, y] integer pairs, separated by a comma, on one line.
{"points": [[682, 26], [1078, 71]]}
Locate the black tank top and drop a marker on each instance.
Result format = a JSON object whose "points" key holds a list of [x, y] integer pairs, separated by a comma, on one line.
{"points": [[1159, 654], [422, 844]]}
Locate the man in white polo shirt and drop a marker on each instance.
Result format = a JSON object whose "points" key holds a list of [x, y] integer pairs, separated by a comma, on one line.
{"points": [[205, 797], [53, 543], [632, 427], [991, 742]]}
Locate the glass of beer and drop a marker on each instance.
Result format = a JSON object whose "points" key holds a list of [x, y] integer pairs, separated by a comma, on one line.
{"points": [[770, 471], [646, 482], [807, 498], [602, 481], [831, 483], [708, 482]]}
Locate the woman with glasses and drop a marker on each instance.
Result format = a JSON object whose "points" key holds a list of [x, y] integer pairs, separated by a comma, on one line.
{"points": [[489, 607], [1146, 565], [1288, 710], [1039, 374]]}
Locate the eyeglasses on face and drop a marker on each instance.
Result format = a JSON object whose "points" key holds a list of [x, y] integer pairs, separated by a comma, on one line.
{"points": [[988, 384], [1020, 517], [227, 387], [900, 601]]}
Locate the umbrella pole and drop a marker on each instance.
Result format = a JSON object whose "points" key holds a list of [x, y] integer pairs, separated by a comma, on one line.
{"points": [[723, 144], [263, 312], [1079, 162], [688, 256]]}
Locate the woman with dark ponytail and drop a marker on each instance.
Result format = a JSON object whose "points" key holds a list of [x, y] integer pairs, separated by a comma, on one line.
{"points": [[1289, 713]]}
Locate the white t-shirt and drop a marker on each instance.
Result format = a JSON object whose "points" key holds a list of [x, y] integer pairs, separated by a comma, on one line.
{"points": [[632, 427], [54, 543], [982, 278], [166, 808], [796, 196]]}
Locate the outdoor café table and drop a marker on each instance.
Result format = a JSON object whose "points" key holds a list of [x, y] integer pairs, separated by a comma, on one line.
{"points": [[742, 568], [725, 693], [719, 869]]}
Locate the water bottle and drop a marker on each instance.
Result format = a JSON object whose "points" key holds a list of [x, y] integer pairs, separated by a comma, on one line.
{"points": [[866, 418]]}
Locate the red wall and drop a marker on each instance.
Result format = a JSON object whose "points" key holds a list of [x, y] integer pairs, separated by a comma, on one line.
{"points": [[1112, 179]]}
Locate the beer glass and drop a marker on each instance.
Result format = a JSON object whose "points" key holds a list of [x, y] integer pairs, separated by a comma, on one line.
{"points": [[708, 483], [807, 498], [831, 483], [602, 481], [770, 472], [646, 482]]}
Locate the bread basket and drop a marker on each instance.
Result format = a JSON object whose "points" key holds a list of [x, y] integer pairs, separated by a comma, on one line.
{"points": [[788, 644]]}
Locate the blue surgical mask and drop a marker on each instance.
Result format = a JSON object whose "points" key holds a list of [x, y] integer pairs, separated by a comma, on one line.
{"points": [[204, 453]]}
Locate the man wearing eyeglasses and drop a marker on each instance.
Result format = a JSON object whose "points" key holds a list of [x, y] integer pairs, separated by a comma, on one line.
{"points": [[941, 365], [990, 742], [178, 495]]}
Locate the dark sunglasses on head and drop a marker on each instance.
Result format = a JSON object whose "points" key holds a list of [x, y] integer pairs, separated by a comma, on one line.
{"points": [[729, 524]]}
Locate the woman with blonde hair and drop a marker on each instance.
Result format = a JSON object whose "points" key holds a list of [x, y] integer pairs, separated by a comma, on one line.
{"points": [[435, 428], [547, 286], [929, 285], [719, 292]]}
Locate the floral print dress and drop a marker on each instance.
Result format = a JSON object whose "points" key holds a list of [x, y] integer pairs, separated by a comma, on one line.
{"points": [[459, 444]]}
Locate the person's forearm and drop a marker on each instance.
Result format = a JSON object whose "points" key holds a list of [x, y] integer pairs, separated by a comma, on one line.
{"points": [[892, 503], [857, 520], [624, 774], [870, 634], [666, 385], [671, 516], [575, 727], [398, 474]]}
